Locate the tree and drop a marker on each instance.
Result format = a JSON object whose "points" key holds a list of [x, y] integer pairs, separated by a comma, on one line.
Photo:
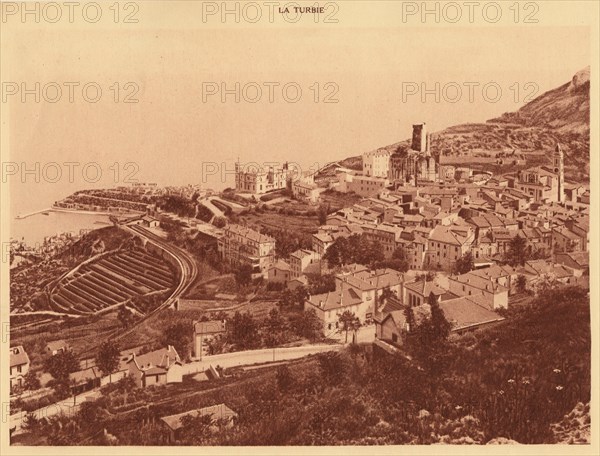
{"points": [[400, 261], [30, 422], [125, 316], [386, 294], [216, 344], [427, 277], [275, 327], [410, 318], [31, 381], [89, 414], [464, 264], [427, 341], [517, 252], [440, 326], [61, 365], [179, 336], [287, 298], [333, 367], [320, 283], [545, 282], [296, 297], [219, 222], [365, 251], [333, 254], [521, 283], [322, 214], [107, 358], [357, 248], [307, 324], [300, 294], [348, 322], [242, 331], [243, 275], [195, 430]]}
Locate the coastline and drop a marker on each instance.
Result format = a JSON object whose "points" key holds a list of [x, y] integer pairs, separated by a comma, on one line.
{"points": [[131, 213], [21, 217], [78, 211], [34, 227], [73, 211]]}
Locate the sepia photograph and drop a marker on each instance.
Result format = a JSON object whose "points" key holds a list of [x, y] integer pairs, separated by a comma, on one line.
{"points": [[271, 227]]}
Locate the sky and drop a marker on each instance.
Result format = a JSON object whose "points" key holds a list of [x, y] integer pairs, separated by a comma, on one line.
{"points": [[370, 63]]}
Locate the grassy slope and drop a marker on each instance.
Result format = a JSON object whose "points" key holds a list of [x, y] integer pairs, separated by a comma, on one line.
{"points": [[511, 381]]}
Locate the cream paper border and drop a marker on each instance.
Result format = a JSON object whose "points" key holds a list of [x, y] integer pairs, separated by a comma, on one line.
{"points": [[353, 13]]}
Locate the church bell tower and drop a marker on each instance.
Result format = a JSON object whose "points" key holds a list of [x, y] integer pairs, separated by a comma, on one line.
{"points": [[558, 169]]}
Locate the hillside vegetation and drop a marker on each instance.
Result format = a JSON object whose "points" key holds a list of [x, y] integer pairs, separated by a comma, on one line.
{"points": [[511, 383]]}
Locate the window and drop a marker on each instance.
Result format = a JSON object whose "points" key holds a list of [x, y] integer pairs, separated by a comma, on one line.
{"points": [[19, 369]]}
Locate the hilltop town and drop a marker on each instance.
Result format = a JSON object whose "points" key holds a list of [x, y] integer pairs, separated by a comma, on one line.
{"points": [[385, 291]]}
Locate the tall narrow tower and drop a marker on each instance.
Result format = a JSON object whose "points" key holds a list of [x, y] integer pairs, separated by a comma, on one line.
{"points": [[560, 172], [419, 137]]}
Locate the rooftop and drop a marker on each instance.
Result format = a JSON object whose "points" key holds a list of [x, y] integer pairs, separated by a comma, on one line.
{"points": [[425, 288], [209, 327], [464, 313], [56, 345], [164, 357], [248, 233], [343, 296], [475, 280], [18, 356]]}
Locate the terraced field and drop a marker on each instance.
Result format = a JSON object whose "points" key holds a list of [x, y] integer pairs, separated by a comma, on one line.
{"points": [[111, 281]]}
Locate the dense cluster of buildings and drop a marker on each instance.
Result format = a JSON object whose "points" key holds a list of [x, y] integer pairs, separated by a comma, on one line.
{"points": [[435, 223], [417, 166]]}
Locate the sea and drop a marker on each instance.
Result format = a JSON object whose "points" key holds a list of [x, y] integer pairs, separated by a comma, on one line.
{"points": [[33, 229]]}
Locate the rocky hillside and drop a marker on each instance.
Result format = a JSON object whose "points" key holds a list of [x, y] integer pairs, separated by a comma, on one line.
{"points": [[559, 115], [575, 427], [565, 109]]}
